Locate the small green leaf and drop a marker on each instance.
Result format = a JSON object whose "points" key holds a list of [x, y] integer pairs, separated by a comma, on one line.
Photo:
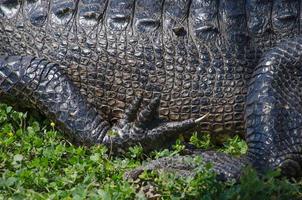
{"points": [[18, 158], [95, 157], [8, 109], [11, 181]]}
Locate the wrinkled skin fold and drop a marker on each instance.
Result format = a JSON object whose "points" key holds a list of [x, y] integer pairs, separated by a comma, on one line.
{"points": [[125, 72]]}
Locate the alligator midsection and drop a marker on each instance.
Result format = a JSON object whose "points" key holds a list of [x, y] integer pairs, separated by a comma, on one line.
{"points": [[192, 54]]}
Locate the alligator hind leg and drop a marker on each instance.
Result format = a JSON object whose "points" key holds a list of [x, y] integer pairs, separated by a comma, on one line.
{"points": [[274, 110], [42, 85]]}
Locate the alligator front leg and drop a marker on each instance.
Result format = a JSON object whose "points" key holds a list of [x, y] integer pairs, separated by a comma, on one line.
{"points": [[42, 85]]}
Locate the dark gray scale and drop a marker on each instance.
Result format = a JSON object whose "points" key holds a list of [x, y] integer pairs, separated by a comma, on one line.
{"points": [[285, 17], [203, 19], [90, 12], [62, 29], [119, 14], [259, 22], [36, 12], [232, 21], [147, 16], [258, 16], [175, 17], [63, 11], [9, 8]]}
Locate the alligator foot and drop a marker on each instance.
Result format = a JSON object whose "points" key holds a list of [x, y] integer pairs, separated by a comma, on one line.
{"points": [[145, 128], [225, 166]]}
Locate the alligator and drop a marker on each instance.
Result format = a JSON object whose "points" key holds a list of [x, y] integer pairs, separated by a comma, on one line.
{"points": [[128, 72]]}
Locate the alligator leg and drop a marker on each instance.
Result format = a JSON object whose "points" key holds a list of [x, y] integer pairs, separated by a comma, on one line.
{"points": [[42, 85], [274, 110]]}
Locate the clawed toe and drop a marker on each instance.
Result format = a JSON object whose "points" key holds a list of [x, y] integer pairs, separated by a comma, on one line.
{"points": [[148, 114], [131, 113]]}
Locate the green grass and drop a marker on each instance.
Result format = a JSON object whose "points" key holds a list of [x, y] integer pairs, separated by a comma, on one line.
{"points": [[36, 162]]}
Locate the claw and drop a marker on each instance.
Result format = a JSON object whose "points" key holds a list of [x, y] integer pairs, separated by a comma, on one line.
{"points": [[177, 127], [131, 112], [174, 127], [201, 118], [149, 113]]}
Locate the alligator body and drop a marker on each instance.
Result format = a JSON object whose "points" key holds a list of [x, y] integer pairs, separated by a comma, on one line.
{"points": [[150, 69]]}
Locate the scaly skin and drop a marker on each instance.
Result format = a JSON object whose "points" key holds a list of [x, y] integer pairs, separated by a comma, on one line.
{"points": [[273, 110], [182, 58]]}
